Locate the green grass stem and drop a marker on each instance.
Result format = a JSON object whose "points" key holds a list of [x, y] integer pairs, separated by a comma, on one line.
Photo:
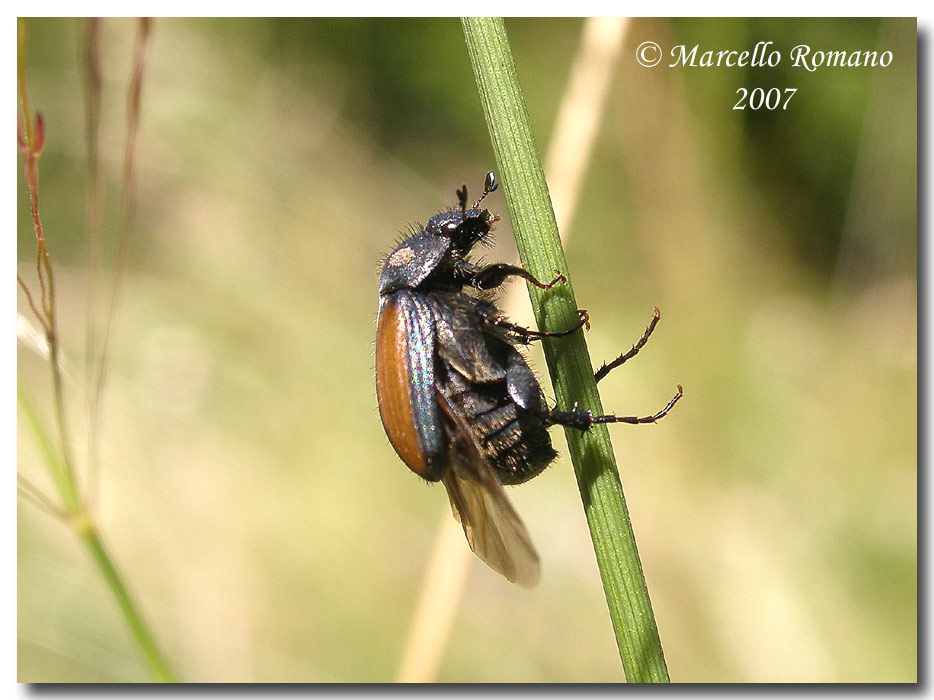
{"points": [[81, 522], [520, 170], [57, 455]]}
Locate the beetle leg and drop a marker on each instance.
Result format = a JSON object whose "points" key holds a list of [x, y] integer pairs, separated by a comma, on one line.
{"points": [[527, 335], [582, 420], [492, 276], [610, 366]]}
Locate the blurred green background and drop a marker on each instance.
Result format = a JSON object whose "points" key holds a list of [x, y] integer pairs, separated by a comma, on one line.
{"points": [[247, 489]]}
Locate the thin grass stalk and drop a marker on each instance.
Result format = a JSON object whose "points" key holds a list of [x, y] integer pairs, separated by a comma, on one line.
{"points": [[51, 454], [81, 522], [580, 113], [32, 305], [141, 633], [29, 490], [31, 142], [58, 456], [568, 360], [90, 58], [134, 97], [438, 601], [569, 151]]}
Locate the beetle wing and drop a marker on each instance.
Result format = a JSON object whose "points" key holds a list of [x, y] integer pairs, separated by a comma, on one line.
{"points": [[462, 341], [494, 530]]}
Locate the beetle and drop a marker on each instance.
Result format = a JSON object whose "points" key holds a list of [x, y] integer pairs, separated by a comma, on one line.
{"points": [[457, 399]]}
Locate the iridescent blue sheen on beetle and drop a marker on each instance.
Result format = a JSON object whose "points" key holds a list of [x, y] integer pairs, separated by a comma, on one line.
{"points": [[457, 399]]}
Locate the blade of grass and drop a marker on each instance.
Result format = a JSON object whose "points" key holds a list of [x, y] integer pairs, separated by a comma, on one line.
{"points": [[571, 145], [133, 102], [78, 519], [437, 606], [580, 113], [570, 368], [53, 459], [58, 456], [93, 222]]}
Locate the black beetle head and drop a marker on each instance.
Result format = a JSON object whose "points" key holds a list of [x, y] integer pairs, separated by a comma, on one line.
{"points": [[463, 228], [448, 237]]}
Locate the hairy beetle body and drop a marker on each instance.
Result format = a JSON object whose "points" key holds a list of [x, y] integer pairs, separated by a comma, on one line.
{"points": [[457, 399]]}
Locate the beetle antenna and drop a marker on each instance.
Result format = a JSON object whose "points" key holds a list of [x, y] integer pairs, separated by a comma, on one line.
{"points": [[489, 185], [462, 199]]}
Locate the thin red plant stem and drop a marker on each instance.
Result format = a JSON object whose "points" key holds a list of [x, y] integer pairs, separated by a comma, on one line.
{"points": [[129, 191], [92, 85]]}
